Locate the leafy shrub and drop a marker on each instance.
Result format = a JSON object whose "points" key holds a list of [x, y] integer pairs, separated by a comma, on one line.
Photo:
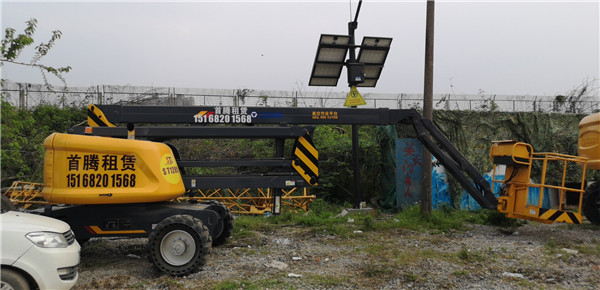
{"points": [[23, 134]]}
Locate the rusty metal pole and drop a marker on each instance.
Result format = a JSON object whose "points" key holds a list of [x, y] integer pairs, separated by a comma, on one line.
{"points": [[426, 204]]}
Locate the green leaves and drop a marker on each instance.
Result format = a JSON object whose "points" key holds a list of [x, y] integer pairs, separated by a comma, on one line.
{"points": [[13, 44], [336, 176], [23, 134]]}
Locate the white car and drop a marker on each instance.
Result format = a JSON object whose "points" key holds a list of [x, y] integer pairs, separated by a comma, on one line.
{"points": [[37, 252]]}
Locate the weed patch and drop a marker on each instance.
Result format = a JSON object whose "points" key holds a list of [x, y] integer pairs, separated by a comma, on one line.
{"points": [[467, 255], [253, 285], [326, 281], [377, 270]]}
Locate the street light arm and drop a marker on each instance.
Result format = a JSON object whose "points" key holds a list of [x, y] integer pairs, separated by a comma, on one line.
{"points": [[357, 11]]}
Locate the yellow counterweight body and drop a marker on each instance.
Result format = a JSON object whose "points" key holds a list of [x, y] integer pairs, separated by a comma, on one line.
{"points": [[80, 169], [589, 140]]}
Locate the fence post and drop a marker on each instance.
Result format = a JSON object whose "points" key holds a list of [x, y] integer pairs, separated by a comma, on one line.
{"points": [[172, 95], [295, 99], [22, 96], [100, 97], [400, 101]]}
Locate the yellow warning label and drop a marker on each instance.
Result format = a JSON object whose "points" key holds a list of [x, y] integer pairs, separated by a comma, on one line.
{"points": [[354, 98], [169, 168]]}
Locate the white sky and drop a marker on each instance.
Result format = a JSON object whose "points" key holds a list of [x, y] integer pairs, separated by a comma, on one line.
{"points": [[524, 48]]}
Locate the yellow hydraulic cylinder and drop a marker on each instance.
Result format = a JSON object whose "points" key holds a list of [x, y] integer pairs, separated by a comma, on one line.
{"points": [[517, 158]]}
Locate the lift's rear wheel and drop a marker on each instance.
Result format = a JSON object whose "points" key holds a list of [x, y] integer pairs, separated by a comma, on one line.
{"points": [[178, 245], [591, 203], [226, 228]]}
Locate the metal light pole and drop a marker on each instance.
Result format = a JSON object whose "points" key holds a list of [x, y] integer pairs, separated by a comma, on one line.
{"points": [[363, 70], [355, 145]]}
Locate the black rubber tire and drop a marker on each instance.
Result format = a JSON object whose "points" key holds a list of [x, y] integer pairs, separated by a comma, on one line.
{"points": [[178, 245], [13, 280], [6, 204], [226, 229], [591, 203], [83, 241]]}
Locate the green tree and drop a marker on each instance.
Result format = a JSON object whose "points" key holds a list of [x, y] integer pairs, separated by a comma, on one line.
{"points": [[13, 44], [23, 133], [17, 150], [336, 177]]}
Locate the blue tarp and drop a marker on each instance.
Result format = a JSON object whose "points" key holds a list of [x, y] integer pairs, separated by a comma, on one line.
{"points": [[409, 175], [467, 202]]}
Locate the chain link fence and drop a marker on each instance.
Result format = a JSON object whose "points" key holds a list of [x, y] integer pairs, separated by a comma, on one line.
{"points": [[29, 95]]}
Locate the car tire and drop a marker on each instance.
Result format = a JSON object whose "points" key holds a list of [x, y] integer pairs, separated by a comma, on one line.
{"points": [[178, 245], [6, 204], [12, 280]]}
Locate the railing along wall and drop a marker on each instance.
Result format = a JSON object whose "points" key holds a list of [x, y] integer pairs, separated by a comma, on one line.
{"points": [[26, 96]]}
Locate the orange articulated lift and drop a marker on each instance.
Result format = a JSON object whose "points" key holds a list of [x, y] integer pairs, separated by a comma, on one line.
{"points": [[520, 159]]}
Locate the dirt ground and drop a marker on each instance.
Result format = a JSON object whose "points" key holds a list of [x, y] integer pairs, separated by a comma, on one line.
{"points": [[532, 256]]}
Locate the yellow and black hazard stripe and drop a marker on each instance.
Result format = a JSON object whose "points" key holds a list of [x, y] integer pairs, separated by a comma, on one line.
{"points": [[96, 118], [560, 216], [306, 159]]}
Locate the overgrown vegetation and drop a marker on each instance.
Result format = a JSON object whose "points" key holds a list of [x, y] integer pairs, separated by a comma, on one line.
{"points": [[23, 134], [473, 133], [324, 217]]}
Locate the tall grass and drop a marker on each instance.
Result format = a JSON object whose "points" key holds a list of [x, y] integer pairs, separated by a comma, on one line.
{"points": [[326, 217]]}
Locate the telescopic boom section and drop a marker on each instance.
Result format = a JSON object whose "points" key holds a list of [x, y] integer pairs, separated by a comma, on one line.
{"points": [[431, 137]]}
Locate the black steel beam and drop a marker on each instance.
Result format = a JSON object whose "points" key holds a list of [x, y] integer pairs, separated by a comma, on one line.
{"points": [[201, 132], [243, 181], [236, 163], [454, 162], [249, 115]]}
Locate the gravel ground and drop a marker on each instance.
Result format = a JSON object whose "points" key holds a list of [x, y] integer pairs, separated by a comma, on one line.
{"points": [[532, 256]]}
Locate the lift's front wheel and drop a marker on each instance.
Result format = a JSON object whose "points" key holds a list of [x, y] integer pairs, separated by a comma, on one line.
{"points": [[178, 245], [591, 203]]}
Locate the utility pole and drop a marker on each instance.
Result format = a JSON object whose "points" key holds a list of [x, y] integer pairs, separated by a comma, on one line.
{"points": [[426, 205], [351, 82]]}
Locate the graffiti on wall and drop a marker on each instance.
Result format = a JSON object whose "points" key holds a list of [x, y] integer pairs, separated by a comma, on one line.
{"points": [[409, 175]]}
